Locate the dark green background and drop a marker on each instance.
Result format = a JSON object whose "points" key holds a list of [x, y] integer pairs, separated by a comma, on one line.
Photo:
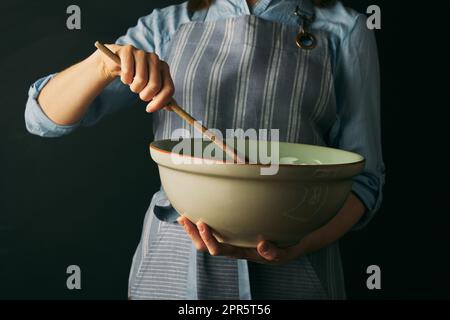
{"points": [[81, 199]]}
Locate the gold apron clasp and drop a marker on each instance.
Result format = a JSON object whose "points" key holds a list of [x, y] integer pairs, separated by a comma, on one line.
{"points": [[304, 38]]}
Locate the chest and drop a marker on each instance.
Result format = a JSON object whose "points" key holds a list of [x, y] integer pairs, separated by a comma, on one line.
{"points": [[248, 73]]}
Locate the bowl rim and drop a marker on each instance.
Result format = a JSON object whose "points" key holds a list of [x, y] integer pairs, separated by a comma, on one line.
{"points": [[362, 161]]}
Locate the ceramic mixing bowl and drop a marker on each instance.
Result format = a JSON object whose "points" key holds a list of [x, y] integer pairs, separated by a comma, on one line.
{"points": [[243, 206]]}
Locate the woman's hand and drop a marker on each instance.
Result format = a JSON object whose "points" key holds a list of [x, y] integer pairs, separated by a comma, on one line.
{"points": [[265, 252], [143, 72], [66, 98]]}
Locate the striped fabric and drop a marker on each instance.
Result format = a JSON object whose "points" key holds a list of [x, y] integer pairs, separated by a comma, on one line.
{"points": [[241, 72]]}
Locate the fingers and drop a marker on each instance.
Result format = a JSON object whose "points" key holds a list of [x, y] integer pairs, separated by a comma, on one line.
{"points": [[268, 251], [141, 68], [222, 249], [154, 83], [193, 233], [274, 255], [163, 96], [147, 76], [126, 64], [265, 252], [208, 239]]}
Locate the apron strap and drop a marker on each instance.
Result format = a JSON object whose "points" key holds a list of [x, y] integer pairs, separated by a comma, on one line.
{"points": [[199, 15], [306, 7], [245, 291], [192, 291]]}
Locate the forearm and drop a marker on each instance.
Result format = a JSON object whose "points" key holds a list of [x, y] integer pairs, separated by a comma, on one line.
{"points": [[67, 96], [350, 213]]}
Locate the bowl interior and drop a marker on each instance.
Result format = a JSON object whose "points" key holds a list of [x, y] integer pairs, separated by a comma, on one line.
{"points": [[260, 152]]}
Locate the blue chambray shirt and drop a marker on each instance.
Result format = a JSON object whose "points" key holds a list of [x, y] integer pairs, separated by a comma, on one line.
{"points": [[355, 70]]}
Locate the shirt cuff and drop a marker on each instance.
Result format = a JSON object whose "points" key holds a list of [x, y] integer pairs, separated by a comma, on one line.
{"points": [[36, 121], [370, 194]]}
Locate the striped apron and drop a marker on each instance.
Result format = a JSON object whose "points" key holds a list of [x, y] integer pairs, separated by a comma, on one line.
{"points": [[242, 72]]}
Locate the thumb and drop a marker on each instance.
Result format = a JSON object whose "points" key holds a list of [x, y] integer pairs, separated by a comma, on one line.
{"points": [[268, 251]]}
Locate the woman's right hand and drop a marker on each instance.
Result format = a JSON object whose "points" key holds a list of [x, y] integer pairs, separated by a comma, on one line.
{"points": [[143, 72]]}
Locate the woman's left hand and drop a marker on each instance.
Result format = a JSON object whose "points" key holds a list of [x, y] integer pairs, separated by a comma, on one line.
{"points": [[265, 252]]}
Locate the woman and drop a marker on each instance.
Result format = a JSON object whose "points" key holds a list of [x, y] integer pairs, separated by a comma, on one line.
{"points": [[236, 64]]}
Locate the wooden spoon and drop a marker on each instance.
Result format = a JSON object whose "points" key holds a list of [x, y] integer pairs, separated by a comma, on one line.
{"points": [[172, 106]]}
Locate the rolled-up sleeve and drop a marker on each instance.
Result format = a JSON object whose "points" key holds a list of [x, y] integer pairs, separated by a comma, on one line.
{"points": [[36, 120], [358, 124]]}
